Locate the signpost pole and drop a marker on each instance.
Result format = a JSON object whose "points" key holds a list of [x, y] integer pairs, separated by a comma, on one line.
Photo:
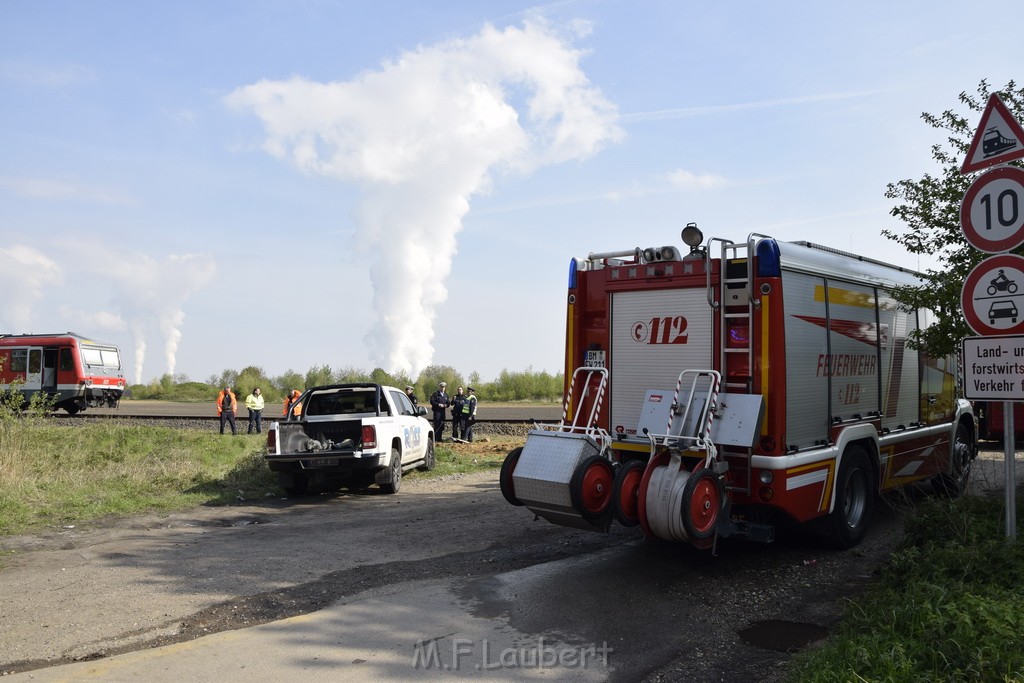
{"points": [[1010, 488], [990, 292]]}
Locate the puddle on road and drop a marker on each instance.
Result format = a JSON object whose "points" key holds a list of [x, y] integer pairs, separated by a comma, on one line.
{"points": [[783, 636]]}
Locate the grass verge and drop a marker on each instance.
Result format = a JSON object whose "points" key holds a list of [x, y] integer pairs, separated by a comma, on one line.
{"points": [[949, 605], [53, 475]]}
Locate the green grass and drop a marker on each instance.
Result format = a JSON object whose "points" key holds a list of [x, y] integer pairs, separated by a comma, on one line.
{"points": [[450, 461], [52, 475], [949, 605]]}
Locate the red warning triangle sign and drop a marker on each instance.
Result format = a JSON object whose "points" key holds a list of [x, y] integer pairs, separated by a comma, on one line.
{"points": [[999, 138]]}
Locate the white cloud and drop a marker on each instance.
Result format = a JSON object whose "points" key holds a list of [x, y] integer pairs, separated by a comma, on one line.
{"points": [[46, 75], [52, 189], [690, 112], [422, 135], [687, 180], [24, 273]]}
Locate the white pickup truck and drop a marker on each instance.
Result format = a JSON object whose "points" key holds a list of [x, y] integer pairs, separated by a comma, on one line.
{"points": [[352, 434]]}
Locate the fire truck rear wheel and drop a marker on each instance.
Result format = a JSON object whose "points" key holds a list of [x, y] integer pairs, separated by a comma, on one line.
{"points": [[590, 488], [508, 467], [855, 499], [953, 483], [625, 501]]}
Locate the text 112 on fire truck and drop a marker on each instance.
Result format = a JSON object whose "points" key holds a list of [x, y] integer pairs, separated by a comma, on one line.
{"points": [[74, 371], [719, 392]]}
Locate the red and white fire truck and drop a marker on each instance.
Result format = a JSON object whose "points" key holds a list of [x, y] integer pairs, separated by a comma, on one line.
{"points": [[717, 392], [76, 372]]}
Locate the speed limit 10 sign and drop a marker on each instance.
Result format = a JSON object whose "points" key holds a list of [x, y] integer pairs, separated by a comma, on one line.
{"points": [[992, 212]]}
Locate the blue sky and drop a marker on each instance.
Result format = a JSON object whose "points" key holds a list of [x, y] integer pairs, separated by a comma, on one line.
{"points": [[213, 185]]}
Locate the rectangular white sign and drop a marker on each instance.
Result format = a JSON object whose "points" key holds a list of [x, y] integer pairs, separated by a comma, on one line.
{"points": [[993, 368]]}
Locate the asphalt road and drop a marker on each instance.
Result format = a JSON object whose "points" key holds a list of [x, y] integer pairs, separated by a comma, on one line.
{"points": [[443, 580]]}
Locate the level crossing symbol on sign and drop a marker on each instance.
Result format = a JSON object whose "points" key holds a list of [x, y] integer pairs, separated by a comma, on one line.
{"points": [[993, 296], [999, 138]]}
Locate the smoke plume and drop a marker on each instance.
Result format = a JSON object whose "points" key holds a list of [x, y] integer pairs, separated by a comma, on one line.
{"points": [[150, 295], [422, 135]]}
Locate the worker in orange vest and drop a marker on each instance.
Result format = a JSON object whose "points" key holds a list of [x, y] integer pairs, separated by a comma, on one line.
{"points": [[291, 399], [226, 406]]}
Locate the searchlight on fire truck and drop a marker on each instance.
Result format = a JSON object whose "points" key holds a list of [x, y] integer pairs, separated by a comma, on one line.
{"points": [[718, 392]]}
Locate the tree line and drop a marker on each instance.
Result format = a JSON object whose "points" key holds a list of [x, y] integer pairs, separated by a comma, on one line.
{"points": [[527, 385]]}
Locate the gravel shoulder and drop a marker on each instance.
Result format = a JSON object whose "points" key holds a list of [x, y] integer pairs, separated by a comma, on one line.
{"points": [[86, 592]]}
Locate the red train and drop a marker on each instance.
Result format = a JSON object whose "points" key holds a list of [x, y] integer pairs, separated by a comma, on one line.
{"points": [[77, 372], [990, 420]]}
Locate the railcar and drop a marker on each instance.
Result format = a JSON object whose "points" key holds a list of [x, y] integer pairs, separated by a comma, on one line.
{"points": [[75, 371]]}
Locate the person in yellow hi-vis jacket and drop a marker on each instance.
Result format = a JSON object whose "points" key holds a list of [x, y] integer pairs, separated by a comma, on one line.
{"points": [[254, 403]]}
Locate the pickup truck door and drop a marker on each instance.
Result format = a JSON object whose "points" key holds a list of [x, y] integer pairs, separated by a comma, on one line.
{"points": [[413, 437]]}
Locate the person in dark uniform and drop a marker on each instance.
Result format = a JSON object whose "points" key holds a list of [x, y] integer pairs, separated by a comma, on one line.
{"points": [[439, 402], [469, 414], [458, 415], [410, 392]]}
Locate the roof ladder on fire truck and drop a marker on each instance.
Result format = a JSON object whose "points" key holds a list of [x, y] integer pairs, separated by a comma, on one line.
{"points": [[736, 308]]}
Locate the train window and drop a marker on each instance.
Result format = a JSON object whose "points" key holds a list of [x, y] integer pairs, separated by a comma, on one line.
{"points": [[19, 360], [67, 361], [105, 357], [91, 356], [35, 361]]}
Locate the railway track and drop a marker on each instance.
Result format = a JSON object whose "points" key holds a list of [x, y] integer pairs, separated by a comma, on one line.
{"points": [[170, 410], [496, 420], [242, 419]]}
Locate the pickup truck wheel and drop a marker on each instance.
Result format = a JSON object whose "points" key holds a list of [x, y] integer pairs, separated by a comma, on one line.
{"points": [[429, 459], [300, 482], [391, 478]]}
